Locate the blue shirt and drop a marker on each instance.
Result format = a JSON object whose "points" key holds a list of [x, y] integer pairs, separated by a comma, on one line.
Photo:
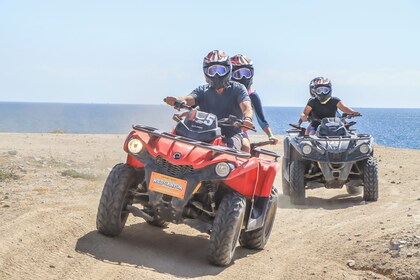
{"points": [[222, 105]]}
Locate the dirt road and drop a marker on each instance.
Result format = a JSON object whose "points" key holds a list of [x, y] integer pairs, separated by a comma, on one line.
{"points": [[50, 185]]}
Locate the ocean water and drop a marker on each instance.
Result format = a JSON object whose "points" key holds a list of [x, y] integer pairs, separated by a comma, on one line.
{"points": [[390, 127]]}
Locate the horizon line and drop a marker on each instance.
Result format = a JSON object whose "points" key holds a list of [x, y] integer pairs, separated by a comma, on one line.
{"points": [[156, 104]]}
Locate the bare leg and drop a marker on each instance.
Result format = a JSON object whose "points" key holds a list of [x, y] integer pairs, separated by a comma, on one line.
{"points": [[246, 145]]}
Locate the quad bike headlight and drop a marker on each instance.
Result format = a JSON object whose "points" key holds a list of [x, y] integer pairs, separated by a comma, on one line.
{"points": [[306, 149], [222, 169], [364, 148], [135, 146]]}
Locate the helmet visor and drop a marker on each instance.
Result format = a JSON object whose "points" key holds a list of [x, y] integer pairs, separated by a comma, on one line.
{"points": [[221, 70], [242, 72], [322, 90]]}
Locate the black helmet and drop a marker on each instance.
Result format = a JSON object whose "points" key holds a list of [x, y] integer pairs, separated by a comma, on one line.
{"points": [[217, 69], [312, 87], [242, 70], [321, 88]]}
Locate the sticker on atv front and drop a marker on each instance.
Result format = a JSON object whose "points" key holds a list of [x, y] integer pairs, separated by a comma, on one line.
{"points": [[167, 185]]}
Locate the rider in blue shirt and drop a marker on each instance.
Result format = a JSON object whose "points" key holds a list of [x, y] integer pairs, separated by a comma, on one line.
{"points": [[222, 97]]}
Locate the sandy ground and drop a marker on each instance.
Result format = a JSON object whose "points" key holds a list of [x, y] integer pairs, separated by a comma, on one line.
{"points": [[48, 231]]}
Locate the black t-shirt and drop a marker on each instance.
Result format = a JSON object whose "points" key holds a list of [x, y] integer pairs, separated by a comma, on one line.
{"points": [[320, 111], [222, 105]]}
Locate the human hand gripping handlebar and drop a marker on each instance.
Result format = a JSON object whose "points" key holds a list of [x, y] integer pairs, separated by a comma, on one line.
{"points": [[179, 104]]}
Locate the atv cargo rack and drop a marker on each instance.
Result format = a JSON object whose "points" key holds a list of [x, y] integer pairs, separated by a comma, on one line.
{"points": [[358, 137], [173, 137]]}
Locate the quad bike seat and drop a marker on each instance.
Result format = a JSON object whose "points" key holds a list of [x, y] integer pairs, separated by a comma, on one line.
{"points": [[199, 126], [331, 127]]}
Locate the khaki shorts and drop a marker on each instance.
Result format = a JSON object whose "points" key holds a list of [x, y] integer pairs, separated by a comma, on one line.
{"points": [[235, 141]]}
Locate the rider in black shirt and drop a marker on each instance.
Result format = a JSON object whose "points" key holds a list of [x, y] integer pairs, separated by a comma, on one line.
{"points": [[323, 105]]}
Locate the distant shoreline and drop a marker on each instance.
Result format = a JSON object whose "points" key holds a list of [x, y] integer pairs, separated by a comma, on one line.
{"points": [[389, 127], [164, 105], [254, 137]]}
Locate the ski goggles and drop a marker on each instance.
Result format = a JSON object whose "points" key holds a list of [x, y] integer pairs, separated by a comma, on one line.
{"points": [[322, 90], [220, 70], [242, 72]]}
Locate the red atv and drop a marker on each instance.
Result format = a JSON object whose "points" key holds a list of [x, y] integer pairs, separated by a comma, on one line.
{"points": [[189, 176]]}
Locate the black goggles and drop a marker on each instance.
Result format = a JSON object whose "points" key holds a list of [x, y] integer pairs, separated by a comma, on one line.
{"points": [[220, 70], [242, 72], [322, 90]]}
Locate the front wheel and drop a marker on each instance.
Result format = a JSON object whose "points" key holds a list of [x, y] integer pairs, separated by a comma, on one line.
{"points": [[297, 182], [370, 179], [257, 239], [112, 212], [226, 228]]}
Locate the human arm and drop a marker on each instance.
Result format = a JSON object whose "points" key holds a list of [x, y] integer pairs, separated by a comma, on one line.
{"points": [[258, 110], [246, 109], [270, 135], [259, 113], [305, 113], [345, 109], [189, 100]]}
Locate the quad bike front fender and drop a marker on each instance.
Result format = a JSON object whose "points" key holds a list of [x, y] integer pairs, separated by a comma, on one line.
{"points": [[254, 177], [261, 198], [286, 148], [244, 178], [258, 211], [134, 162], [286, 168]]}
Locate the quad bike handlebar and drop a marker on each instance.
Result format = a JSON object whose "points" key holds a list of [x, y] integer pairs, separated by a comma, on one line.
{"points": [[349, 116], [297, 126], [230, 121], [179, 104], [257, 152], [343, 117], [262, 143], [236, 122]]}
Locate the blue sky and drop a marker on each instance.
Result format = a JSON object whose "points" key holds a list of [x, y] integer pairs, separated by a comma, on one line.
{"points": [[141, 51]]}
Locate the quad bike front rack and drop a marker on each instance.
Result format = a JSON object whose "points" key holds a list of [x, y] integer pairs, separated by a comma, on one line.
{"points": [[220, 149], [335, 138]]}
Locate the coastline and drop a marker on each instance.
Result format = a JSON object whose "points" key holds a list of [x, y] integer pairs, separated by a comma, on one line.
{"points": [[49, 199]]}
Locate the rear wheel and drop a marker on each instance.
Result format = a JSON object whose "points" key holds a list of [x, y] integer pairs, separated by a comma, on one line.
{"points": [[257, 239], [285, 184], [226, 228], [297, 182], [112, 212], [370, 180]]}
